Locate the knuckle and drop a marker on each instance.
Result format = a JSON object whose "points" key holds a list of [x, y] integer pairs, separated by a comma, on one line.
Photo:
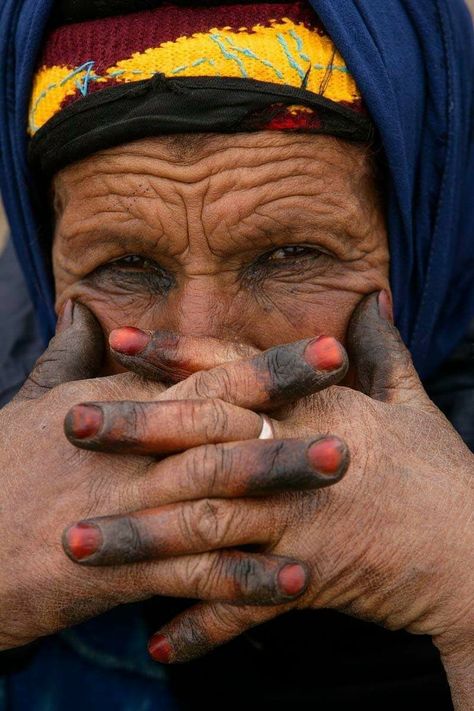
{"points": [[252, 580], [191, 632], [206, 522], [133, 417], [206, 467], [275, 457], [128, 537], [247, 575], [228, 618], [216, 383], [208, 417], [281, 367], [210, 580], [216, 419]]}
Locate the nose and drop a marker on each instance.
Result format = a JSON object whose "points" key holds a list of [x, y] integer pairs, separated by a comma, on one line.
{"points": [[203, 306]]}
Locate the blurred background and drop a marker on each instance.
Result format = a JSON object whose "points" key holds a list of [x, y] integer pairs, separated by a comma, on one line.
{"points": [[3, 224]]}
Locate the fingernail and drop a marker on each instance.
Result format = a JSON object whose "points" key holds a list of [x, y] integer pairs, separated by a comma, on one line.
{"points": [[83, 540], [292, 579], [83, 421], [324, 353], [159, 648], [129, 341], [326, 456], [386, 306], [66, 316]]}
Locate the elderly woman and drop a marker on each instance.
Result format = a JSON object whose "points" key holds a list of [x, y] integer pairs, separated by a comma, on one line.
{"points": [[232, 205]]}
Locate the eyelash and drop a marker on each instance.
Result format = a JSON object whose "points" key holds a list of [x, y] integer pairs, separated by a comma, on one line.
{"points": [[287, 254], [137, 262]]}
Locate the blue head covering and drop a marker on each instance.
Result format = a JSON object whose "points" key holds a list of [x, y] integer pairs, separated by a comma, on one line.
{"points": [[414, 63]]}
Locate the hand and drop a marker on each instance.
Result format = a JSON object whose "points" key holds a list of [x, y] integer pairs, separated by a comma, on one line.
{"points": [[46, 483], [385, 544]]}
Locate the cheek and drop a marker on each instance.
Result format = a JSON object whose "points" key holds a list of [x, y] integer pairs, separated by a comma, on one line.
{"points": [[295, 316], [324, 306], [114, 309], [277, 312]]}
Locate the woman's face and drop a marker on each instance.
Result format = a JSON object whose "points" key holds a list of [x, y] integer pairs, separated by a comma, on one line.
{"points": [[259, 238]]}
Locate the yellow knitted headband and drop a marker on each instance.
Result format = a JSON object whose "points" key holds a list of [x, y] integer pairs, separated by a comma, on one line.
{"points": [[279, 50], [282, 49]]}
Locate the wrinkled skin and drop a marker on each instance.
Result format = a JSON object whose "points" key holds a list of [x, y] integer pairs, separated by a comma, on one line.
{"points": [[214, 241], [211, 221], [51, 483]]}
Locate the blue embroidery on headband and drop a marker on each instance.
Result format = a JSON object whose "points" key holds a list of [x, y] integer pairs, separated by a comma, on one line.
{"points": [[249, 53], [228, 55]]}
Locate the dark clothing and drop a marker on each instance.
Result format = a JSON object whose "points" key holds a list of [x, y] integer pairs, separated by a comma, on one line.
{"points": [[319, 660], [20, 344]]}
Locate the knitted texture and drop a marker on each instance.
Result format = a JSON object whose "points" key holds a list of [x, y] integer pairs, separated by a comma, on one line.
{"points": [[276, 43]]}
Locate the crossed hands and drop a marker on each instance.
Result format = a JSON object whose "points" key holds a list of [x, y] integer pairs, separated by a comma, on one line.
{"points": [[362, 501]]}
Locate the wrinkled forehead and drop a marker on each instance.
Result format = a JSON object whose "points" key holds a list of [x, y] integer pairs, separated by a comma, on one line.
{"points": [[236, 191], [224, 163]]}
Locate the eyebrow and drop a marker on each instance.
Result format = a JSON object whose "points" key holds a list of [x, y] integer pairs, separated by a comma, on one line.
{"points": [[271, 235]]}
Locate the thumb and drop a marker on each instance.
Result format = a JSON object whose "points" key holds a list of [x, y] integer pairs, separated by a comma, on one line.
{"points": [[383, 364], [75, 353]]}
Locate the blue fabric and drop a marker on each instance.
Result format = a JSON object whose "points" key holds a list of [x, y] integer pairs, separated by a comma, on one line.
{"points": [[100, 665], [20, 344], [414, 62]]}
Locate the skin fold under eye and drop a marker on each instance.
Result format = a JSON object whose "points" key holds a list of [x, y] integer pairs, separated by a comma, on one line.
{"points": [[263, 239], [131, 273]]}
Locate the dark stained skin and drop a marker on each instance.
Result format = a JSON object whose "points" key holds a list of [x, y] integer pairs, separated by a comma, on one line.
{"points": [[255, 240], [41, 590], [195, 255], [258, 239], [281, 375]]}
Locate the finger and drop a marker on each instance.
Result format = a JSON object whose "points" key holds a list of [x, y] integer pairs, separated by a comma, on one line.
{"points": [[168, 357], [177, 529], [383, 364], [75, 353], [203, 627], [243, 578], [279, 376], [156, 428], [243, 469]]}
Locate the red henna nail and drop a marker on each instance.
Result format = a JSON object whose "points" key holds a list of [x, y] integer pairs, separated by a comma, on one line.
{"points": [[326, 456], [386, 306], [292, 579], [324, 353], [83, 540], [159, 648], [129, 341], [84, 421]]}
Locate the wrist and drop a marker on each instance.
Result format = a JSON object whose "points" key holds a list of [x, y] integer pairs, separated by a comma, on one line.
{"points": [[457, 655]]}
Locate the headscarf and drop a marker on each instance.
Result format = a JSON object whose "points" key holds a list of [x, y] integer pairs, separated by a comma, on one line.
{"points": [[192, 69], [413, 61]]}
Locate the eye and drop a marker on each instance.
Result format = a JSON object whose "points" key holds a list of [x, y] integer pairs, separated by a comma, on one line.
{"points": [[135, 262], [292, 252]]}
